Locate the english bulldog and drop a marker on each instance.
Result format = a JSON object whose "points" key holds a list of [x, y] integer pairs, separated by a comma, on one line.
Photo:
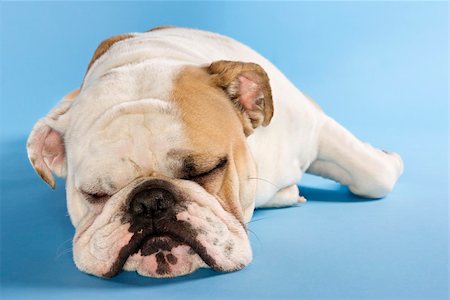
{"points": [[173, 139]]}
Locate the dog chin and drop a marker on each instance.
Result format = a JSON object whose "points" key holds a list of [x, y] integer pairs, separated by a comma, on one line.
{"points": [[155, 259]]}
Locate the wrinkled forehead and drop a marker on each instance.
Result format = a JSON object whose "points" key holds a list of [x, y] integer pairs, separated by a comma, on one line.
{"points": [[133, 138], [119, 85]]}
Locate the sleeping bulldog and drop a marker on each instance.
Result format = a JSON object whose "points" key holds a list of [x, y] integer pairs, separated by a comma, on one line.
{"points": [[173, 139]]}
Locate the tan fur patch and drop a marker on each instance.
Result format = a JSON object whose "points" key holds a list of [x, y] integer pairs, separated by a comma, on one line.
{"points": [[105, 45], [72, 94], [160, 27], [213, 127]]}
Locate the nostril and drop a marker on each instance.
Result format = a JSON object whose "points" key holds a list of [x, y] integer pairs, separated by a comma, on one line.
{"points": [[149, 202]]}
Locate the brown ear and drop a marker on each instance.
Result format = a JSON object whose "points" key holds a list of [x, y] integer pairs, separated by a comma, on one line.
{"points": [[45, 145], [247, 85]]}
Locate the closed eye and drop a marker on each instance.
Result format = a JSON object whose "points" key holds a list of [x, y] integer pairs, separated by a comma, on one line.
{"points": [[220, 165], [96, 197]]}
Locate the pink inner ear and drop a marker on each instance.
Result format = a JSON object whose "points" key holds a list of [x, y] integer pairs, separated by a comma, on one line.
{"points": [[53, 152], [249, 92]]}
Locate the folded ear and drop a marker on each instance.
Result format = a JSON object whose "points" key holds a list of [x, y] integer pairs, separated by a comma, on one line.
{"points": [[247, 85], [45, 144]]}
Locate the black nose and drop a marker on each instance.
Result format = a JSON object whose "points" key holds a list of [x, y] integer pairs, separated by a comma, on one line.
{"points": [[151, 203]]}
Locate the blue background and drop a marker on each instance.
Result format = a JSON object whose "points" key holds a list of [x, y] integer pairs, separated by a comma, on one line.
{"points": [[381, 69]]}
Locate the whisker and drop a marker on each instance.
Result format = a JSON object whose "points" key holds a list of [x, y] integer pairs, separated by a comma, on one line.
{"points": [[265, 180], [62, 253], [252, 221], [64, 242], [256, 236]]}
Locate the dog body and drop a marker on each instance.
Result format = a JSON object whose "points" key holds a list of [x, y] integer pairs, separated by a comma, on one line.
{"points": [[173, 139]]}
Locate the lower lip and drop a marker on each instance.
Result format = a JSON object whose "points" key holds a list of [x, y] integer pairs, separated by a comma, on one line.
{"points": [[154, 244]]}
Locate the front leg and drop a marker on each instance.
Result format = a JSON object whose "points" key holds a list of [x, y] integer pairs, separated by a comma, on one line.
{"points": [[368, 172], [287, 196]]}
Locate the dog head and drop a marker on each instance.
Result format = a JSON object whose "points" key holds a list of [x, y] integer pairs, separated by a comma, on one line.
{"points": [[159, 174]]}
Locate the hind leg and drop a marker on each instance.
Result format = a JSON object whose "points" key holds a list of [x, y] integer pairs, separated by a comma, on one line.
{"points": [[367, 171]]}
